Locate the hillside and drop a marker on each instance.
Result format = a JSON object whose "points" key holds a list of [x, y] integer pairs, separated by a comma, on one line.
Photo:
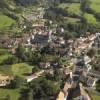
{"points": [[11, 15], [45, 44], [86, 11]]}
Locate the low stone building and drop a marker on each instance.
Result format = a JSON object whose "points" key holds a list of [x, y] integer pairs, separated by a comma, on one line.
{"points": [[5, 80]]}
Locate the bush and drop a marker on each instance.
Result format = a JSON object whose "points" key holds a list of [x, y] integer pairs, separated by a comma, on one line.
{"points": [[8, 59], [90, 19]]}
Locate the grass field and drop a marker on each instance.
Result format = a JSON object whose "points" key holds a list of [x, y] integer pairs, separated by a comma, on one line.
{"points": [[3, 51], [95, 97], [5, 21], [90, 19], [71, 20], [71, 8], [95, 6], [21, 69], [95, 1], [5, 69], [13, 93]]}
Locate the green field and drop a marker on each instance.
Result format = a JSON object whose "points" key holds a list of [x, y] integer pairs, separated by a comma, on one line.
{"points": [[71, 8], [5, 69], [95, 6], [21, 69], [95, 97], [13, 93], [71, 20], [90, 19], [95, 1], [5, 21]]}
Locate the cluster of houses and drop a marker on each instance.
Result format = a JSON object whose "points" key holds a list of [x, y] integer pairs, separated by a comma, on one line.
{"points": [[83, 43], [34, 14], [81, 72], [73, 89], [41, 36]]}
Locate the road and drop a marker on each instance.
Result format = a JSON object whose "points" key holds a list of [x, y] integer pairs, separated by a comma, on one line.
{"points": [[34, 76]]}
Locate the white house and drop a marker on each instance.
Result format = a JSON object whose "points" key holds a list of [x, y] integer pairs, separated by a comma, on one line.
{"points": [[91, 82], [87, 60]]}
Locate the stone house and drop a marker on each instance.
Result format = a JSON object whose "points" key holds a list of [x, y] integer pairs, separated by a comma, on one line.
{"points": [[5, 80]]}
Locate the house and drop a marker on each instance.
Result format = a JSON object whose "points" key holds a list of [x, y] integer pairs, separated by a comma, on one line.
{"points": [[41, 38], [60, 96], [92, 37], [97, 34], [67, 71], [62, 30], [45, 65], [50, 72], [97, 41], [5, 80], [91, 82], [89, 67], [86, 59], [61, 41], [83, 94]]}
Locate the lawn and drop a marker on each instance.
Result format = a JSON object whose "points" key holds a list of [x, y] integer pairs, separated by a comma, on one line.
{"points": [[71, 20], [95, 6], [3, 51], [73, 9], [13, 93], [5, 21], [95, 1], [95, 97], [21, 69], [90, 19], [5, 69]]}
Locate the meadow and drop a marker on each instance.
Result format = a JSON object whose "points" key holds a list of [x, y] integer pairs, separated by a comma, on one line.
{"points": [[5, 21]]}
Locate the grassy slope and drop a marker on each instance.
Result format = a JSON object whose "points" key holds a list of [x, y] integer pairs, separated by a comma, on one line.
{"points": [[71, 20], [95, 6], [5, 21], [5, 69], [71, 8], [13, 93], [21, 69], [90, 19], [95, 97]]}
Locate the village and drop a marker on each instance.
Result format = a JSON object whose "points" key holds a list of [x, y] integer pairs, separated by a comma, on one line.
{"points": [[79, 69], [74, 57]]}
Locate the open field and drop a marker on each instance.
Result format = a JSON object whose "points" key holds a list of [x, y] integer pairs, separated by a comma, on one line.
{"points": [[90, 19], [95, 97], [71, 20], [21, 69], [95, 6], [71, 8], [5, 21], [13, 94], [5, 69]]}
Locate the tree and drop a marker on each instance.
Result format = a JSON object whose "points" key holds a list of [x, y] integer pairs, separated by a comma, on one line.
{"points": [[43, 88], [19, 82], [20, 52], [58, 74], [84, 5], [25, 94], [91, 53], [98, 86], [7, 97]]}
